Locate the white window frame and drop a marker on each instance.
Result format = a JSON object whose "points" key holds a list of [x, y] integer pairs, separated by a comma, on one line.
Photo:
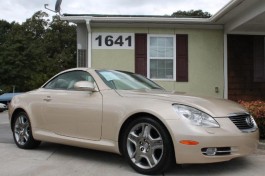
{"points": [[174, 56]]}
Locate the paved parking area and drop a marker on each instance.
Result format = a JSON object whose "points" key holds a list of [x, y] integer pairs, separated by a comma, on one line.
{"points": [[53, 159]]}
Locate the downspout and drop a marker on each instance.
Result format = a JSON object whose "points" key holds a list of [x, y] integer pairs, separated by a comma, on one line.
{"points": [[225, 67], [89, 43]]}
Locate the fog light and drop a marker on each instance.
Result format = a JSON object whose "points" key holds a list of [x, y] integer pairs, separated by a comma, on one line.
{"points": [[211, 151]]}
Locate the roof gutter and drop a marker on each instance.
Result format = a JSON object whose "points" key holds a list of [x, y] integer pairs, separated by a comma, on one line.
{"points": [[156, 19], [152, 19], [227, 8], [77, 19]]}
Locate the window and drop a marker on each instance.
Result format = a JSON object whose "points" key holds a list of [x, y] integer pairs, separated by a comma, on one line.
{"points": [[66, 81], [161, 57]]}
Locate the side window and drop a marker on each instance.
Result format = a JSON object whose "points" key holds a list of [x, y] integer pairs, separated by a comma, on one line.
{"points": [[161, 57], [66, 81]]}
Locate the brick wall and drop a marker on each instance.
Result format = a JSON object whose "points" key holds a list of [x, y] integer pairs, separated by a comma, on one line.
{"points": [[241, 84]]}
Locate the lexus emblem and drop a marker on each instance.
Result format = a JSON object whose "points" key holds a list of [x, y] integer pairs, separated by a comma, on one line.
{"points": [[249, 121]]}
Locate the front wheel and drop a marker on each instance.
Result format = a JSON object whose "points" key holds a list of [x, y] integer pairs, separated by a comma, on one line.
{"points": [[22, 132], [147, 146]]}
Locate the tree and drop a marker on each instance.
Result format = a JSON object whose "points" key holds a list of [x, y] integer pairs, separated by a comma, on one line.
{"points": [[191, 14], [35, 50], [5, 28], [60, 42]]}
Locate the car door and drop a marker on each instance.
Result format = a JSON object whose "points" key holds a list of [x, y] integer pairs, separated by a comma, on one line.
{"points": [[69, 112]]}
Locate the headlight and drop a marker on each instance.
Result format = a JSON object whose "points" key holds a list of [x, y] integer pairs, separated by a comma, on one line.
{"points": [[254, 122], [196, 116]]}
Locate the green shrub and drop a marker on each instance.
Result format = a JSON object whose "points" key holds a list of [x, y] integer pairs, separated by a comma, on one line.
{"points": [[257, 109]]}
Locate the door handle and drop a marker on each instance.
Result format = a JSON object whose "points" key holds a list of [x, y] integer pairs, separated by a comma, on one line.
{"points": [[47, 99]]}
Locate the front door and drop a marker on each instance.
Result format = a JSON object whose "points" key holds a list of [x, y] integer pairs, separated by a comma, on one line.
{"points": [[69, 112]]}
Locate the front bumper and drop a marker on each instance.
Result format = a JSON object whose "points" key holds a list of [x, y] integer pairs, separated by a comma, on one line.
{"points": [[229, 138]]}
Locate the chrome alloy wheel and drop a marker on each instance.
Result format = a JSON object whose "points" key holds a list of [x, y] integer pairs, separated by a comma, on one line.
{"points": [[22, 130], [145, 145]]}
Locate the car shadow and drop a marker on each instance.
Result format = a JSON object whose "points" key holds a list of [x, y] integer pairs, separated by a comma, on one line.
{"points": [[113, 160], [6, 134], [81, 153], [110, 160], [238, 165]]}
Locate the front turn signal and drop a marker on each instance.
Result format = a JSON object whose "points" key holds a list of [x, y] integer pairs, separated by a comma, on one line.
{"points": [[188, 142]]}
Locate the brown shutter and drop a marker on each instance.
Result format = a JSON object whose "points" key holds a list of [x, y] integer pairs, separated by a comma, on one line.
{"points": [[259, 65], [182, 58], [141, 54]]}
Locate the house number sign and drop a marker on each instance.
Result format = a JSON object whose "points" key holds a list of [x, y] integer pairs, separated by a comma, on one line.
{"points": [[113, 41]]}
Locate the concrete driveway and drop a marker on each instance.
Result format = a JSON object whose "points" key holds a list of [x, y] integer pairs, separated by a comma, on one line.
{"points": [[53, 159]]}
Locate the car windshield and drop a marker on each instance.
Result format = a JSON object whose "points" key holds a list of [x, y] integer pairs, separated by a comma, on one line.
{"points": [[121, 80]]}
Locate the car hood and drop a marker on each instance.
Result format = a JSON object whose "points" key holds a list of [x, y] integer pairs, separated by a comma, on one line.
{"points": [[215, 107]]}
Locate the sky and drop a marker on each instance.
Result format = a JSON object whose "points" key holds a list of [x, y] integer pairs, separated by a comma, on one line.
{"points": [[20, 10]]}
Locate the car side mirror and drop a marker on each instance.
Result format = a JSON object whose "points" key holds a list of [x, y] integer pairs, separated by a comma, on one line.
{"points": [[84, 86]]}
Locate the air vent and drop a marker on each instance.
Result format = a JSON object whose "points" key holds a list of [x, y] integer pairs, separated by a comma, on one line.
{"points": [[216, 151]]}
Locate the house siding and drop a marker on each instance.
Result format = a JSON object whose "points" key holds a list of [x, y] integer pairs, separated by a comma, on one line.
{"points": [[205, 59]]}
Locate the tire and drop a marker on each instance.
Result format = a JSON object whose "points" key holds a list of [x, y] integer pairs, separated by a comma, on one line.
{"points": [[22, 132], [147, 146]]}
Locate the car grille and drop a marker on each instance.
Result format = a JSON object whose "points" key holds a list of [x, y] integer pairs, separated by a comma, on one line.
{"points": [[243, 122]]}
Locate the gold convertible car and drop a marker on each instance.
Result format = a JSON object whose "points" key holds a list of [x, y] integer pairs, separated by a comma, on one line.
{"points": [[126, 113]]}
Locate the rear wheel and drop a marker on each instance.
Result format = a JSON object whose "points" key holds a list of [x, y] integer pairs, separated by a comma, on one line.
{"points": [[22, 132], [147, 146]]}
